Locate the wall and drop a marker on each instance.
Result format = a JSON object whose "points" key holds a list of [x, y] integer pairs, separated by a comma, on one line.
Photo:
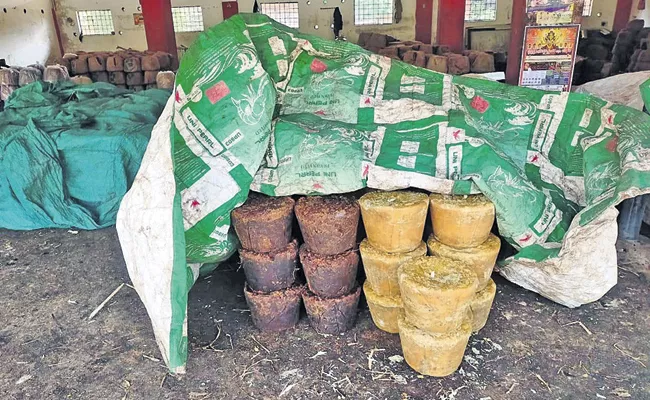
{"points": [[497, 39], [316, 13], [641, 14], [607, 8], [27, 35]]}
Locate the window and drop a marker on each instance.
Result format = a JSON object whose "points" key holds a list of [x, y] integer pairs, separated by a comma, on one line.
{"points": [[284, 13], [95, 22], [589, 5], [187, 19], [373, 12], [480, 10]]}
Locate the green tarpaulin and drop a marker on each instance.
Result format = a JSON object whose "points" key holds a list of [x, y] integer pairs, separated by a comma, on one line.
{"points": [[69, 153], [261, 106]]}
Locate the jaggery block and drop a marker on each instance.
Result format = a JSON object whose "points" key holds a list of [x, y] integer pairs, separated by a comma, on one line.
{"points": [[437, 63], [81, 80], [394, 221], [275, 311], [29, 75], [101, 76], [481, 305], [483, 62], [480, 259], [381, 267], [384, 310], [150, 63], [165, 80], [332, 316], [9, 77], [150, 77], [117, 78], [55, 73], [134, 78], [329, 275], [115, 63], [457, 64], [436, 293], [268, 272], [263, 223], [97, 63], [328, 223], [433, 354], [132, 64], [461, 221], [79, 65]]}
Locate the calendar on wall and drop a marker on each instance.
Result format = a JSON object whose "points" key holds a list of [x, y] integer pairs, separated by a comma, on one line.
{"points": [[548, 57]]}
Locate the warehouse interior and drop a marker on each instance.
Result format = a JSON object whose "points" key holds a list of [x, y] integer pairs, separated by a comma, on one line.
{"points": [[324, 199]]}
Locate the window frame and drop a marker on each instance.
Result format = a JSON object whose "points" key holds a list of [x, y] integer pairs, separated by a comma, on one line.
{"points": [[283, 3], [192, 30], [481, 19], [87, 29], [588, 8], [363, 23]]}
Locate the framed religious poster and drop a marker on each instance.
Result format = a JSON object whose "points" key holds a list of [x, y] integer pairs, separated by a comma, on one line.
{"points": [[548, 57], [554, 12]]}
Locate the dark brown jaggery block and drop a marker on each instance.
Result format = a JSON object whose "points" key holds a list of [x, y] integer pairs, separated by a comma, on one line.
{"points": [[268, 272], [101, 76], [79, 65], [443, 49], [150, 63], [457, 64], [437, 63], [117, 78], [363, 38], [391, 52], [115, 63], [377, 40], [426, 48], [328, 223], [65, 62], [420, 59], [332, 316], [134, 78], [97, 63], [132, 64], [164, 59], [329, 276], [483, 62], [275, 311], [263, 224], [409, 57], [150, 77], [402, 49]]}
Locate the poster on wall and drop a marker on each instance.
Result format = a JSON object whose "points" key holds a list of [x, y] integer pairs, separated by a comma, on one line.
{"points": [[554, 12], [548, 57]]}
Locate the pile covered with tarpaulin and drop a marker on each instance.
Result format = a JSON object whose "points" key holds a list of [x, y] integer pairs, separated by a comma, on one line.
{"points": [[69, 153], [259, 106]]}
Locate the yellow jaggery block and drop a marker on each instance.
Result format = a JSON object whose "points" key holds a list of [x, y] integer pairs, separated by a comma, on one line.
{"points": [[436, 293], [394, 221], [433, 354], [481, 306], [461, 221], [384, 310], [481, 258], [381, 267]]}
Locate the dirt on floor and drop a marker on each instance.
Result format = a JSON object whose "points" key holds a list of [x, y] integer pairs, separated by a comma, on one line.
{"points": [[531, 348]]}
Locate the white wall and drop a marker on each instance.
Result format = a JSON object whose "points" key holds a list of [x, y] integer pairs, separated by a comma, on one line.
{"points": [[27, 35], [641, 14], [607, 8]]}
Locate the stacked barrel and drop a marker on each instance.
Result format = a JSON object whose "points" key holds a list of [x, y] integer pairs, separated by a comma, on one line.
{"points": [[394, 223], [329, 261], [269, 257], [461, 232]]}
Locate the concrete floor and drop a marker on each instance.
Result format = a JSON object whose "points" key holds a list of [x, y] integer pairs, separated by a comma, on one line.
{"points": [[530, 349]]}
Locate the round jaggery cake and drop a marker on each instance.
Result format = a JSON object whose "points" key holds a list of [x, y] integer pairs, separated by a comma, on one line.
{"points": [[394, 221], [482, 304], [461, 221], [264, 224], [437, 274], [328, 223], [381, 267], [384, 310], [480, 258], [263, 207]]}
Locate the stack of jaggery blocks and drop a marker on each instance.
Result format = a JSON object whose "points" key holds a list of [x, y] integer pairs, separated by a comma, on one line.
{"points": [[394, 223], [436, 302], [126, 69], [437, 58], [329, 260], [269, 257]]}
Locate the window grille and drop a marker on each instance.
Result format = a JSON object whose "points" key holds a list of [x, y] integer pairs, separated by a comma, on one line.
{"points": [[480, 10], [589, 5], [95, 22], [373, 12], [284, 13], [187, 19]]}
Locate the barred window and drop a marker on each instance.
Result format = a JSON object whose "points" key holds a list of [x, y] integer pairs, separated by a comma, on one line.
{"points": [[187, 19], [589, 5], [373, 12], [480, 10], [95, 22], [284, 13]]}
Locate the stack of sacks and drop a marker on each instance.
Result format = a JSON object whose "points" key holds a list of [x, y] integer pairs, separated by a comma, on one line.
{"points": [[269, 256], [394, 223], [329, 261], [461, 226], [9, 80]]}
